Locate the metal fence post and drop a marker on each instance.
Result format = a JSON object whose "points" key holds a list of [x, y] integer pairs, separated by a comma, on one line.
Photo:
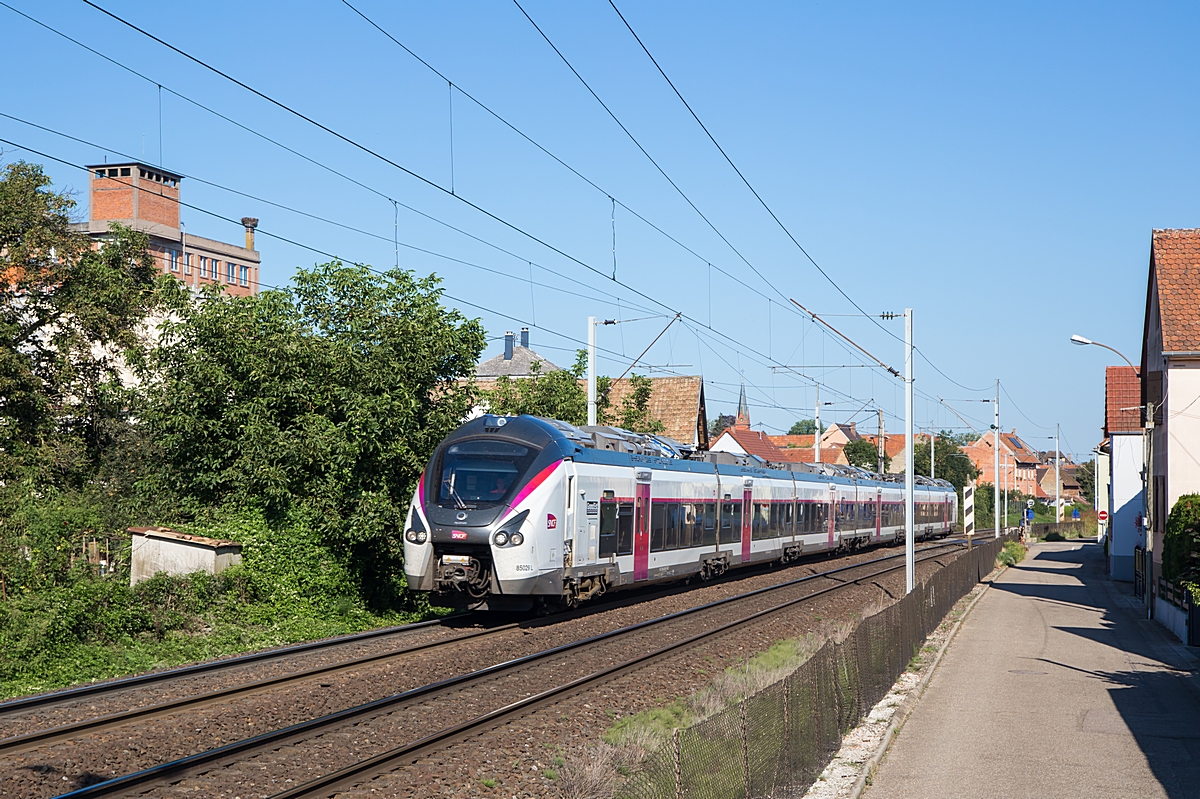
{"points": [[745, 749], [678, 764]]}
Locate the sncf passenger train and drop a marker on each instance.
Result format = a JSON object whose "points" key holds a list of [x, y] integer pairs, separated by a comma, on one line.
{"points": [[519, 511]]}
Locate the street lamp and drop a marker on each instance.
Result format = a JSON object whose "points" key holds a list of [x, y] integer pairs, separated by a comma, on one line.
{"points": [[1083, 342]]}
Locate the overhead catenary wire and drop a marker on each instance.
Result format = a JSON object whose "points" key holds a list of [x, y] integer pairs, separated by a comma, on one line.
{"points": [[381, 194], [485, 212]]}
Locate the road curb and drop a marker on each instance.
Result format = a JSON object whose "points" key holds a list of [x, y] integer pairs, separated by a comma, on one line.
{"points": [[910, 702]]}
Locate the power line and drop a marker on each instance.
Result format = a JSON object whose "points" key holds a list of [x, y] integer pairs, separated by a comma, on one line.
{"points": [[372, 152], [1018, 407], [649, 157]]}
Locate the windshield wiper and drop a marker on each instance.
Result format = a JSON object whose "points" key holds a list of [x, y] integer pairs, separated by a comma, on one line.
{"points": [[458, 501]]}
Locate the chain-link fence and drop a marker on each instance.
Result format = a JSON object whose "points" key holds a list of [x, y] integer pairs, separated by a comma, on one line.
{"points": [[776, 742]]}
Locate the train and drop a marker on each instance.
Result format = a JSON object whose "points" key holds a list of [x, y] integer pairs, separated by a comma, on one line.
{"points": [[514, 513]]}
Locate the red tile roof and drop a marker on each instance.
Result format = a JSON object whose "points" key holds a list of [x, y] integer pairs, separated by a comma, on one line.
{"points": [[791, 442], [755, 443], [1175, 267], [1122, 389]]}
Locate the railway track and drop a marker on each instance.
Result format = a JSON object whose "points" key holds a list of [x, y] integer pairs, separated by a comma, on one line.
{"points": [[481, 697]]}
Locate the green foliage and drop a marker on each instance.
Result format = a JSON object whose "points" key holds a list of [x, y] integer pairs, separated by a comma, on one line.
{"points": [[719, 424], [950, 462], [863, 453], [1012, 554], [1086, 476], [805, 427], [1181, 541], [562, 395], [322, 400], [290, 587]]}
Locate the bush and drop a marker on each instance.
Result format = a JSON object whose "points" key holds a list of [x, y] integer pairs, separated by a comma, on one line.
{"points": [[1181, 542], [1012, 554]]}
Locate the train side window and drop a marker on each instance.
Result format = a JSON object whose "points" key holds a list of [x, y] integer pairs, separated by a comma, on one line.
{"points": [[731, 522], [608, 529], [785, 518], [674, 517], [802, 517], [687, 521], [658, 526], [757, 528], [710, 523], [625, 528]]}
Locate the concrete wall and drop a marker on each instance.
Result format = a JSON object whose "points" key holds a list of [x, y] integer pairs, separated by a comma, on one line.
{"points": [[154, 553], [1126, 504]]}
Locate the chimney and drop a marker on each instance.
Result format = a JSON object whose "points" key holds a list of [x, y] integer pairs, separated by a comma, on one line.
{"points": [[525, 337], [251, 223], [508, 345]]}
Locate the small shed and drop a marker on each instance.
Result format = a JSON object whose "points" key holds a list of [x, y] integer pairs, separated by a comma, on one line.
{"points": [[159, 549]]}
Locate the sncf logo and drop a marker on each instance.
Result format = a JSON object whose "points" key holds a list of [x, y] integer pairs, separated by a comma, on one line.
{"points": [[458, 535], [551, 521]]}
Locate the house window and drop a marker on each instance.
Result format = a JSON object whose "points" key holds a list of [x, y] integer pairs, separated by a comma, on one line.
{"points": [[187, 263], [125, 172], [203, 266], [174, 261], [244, 275], [229, 273], [216, 269]]}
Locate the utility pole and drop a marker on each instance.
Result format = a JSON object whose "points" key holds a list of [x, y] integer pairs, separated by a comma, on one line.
{"points": [[1057, 483], [996, 453], [882, 449], [909, 479], [591, 369], [1006, 489], [817, 430], [932, 447]]}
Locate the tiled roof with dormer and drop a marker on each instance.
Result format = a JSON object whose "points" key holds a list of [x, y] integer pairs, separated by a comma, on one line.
{"points": [[1122, 400]]}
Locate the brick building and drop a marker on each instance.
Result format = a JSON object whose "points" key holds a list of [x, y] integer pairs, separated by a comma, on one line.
{"points": [[146, 199]]}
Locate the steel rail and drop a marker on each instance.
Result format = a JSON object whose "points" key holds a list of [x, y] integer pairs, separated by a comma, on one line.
{"points": [[177, 769], [124, 683], [353, 775], [19, 743]]}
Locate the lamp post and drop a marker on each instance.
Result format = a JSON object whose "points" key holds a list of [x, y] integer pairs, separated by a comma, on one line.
{"points": [[1083, 342]]}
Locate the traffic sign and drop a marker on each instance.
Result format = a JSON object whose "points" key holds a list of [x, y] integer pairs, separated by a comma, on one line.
{"points": [[969, 508], [1102, 516], [1029, 503]]}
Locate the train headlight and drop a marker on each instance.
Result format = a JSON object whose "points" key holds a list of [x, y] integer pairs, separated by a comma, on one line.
{"points": [[517, 539], [411, 536], [501, 538], [422, 536]]}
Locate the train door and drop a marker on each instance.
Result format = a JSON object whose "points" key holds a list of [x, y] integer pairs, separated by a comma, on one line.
{"points": [[747, 518], [879, 514], [641, 526], [832, 520]]}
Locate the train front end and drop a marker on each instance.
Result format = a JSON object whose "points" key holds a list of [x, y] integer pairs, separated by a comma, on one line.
{"points": [[483, 526]]}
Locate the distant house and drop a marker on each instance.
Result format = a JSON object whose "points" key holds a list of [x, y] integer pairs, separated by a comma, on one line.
{"points": [[1017, 459], [677, 402], [1170, 375], [517, 360], [1124, 451], [799, 449]]}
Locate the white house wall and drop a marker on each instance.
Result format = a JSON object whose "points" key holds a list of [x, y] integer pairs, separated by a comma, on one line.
{"points": [[1182, 428], [1126, 504]]}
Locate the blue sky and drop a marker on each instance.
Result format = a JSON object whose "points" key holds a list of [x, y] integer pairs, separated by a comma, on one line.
{"points": [[998, 169]]}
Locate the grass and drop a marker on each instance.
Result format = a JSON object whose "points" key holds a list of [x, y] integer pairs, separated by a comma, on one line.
{"points": [[1012, 554], [488, 782]]}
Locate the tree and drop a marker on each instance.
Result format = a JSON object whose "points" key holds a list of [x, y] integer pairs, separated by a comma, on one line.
{"points": [[863, 453], [325, 400], [562, 395], [720, 424], [1086, 476], [1181, 542], [805, 427], [950, 462]]}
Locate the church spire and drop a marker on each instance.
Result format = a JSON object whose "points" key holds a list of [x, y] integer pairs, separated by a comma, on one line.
{"points": [[743, 412]]}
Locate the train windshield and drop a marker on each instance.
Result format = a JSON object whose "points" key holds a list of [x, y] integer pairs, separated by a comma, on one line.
{"points": [[481, 472]]}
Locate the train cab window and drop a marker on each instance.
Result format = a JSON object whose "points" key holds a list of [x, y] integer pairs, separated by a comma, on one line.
{"points": [[731, 522], [658, 526], [710, 524], [674, 522], [625, 528], [480, 472], [608, 528]]}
